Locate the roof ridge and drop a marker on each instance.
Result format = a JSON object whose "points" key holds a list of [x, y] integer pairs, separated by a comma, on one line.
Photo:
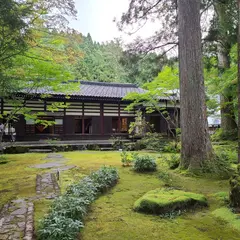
{"points": [[113, 84]]}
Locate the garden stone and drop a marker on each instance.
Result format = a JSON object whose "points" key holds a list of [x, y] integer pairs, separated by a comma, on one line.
{"points": [[20, 211]]}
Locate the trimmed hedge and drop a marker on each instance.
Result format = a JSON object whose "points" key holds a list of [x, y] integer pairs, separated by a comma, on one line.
{"points": [[67, 212], [162, 201]]}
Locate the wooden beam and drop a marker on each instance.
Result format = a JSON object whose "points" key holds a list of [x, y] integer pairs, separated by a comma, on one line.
{"points": [[83, 124], [102, 118], [119, 117]]}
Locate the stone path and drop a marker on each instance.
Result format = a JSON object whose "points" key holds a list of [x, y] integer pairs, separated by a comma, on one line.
{"points": [[16, 218], [47, 186]]}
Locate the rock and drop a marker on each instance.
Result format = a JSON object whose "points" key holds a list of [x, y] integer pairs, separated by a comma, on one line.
{"points": [[4, 237], [20, 211]]}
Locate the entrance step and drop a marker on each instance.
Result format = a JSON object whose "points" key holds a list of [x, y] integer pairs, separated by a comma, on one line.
{"points": [[107, 149], [40, 150]]}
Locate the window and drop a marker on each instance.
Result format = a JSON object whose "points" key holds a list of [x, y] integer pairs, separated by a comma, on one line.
{"points": [[122, 124], [87, 125], [43, 129], [78, 125]]}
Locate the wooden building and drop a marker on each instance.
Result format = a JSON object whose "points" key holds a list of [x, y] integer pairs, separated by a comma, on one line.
{"points": [[96, 111]]}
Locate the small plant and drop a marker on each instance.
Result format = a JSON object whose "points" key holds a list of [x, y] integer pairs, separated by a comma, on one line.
{"points": [[172, 147], [173, 162], [166, 178], [3, 160], [219, 166], [127, 158], [145, 163]]}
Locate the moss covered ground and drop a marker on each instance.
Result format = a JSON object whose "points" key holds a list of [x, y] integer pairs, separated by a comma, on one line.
{"points": [[112, 216], [167, 200]]}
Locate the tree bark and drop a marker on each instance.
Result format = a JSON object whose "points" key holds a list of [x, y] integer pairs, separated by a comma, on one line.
{"points": [[228, 120], [238, 1], [195, 140]]}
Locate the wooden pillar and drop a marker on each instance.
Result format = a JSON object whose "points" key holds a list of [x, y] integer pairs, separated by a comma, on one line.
{"points": [[102, 118], [83, 124], [45, 105], [64, 119], [2, 105], [119, 117]]}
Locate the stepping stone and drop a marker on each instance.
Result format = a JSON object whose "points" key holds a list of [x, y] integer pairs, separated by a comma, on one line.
{"points": [[64, 168], [47, 165]]}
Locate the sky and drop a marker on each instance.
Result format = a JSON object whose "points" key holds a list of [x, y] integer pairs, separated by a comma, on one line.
{"points": [[96, 17]]}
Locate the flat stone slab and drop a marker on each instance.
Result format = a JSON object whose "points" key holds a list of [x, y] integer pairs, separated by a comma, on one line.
{"points": [[64, 168], [16, 220], [48, 165], [54, 155]]}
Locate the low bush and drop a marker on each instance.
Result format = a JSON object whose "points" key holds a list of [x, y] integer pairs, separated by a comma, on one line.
{"points": [[3, 160], [166, 178], [145, 163], [173, 161], [127, 158], [220, 135], [219, 165], [66, 216], [162, 201], [151, 141], [172, 147]]}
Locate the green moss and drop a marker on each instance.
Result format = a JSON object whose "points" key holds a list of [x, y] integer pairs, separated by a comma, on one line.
{"points": [[221, 196], [160, 201], [226, 215]]}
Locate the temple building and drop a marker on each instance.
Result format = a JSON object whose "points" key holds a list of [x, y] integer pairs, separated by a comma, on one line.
{"points": [[96, 111]]}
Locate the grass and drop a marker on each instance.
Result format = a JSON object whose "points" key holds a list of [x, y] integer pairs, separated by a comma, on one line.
{"points": [[163, 200], [112, 215]]}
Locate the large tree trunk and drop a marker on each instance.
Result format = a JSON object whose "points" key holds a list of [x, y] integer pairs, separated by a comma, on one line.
{"points": [[238, 81], [228, 121], [196, 145]]}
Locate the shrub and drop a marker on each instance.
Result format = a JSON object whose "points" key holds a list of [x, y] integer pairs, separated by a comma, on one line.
{"points": [[173, 162], [220, 135], [151, 141], [67, 212], [145, 163], [172, 147], [127, 158], [219, 165], [3, 160], [162, 201], [166, 178]]}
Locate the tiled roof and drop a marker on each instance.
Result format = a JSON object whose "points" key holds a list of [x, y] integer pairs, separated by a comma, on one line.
{"points": [[99, 89], [109, 90]]}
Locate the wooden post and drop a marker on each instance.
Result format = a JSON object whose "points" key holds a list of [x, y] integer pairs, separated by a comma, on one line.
{"points": [[83, 125], [238, 81], [119, 117], [2, 105], [102, 118]]}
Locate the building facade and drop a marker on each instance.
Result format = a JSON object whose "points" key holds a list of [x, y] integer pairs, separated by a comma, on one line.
{"points": [[96, 111]]}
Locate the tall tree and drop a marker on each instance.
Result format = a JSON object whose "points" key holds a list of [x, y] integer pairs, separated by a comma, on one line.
{"points": [[238, 4], [226, 38], [196, 145]]}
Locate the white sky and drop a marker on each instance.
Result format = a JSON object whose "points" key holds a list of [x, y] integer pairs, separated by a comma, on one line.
{"points": [[96, 17]]}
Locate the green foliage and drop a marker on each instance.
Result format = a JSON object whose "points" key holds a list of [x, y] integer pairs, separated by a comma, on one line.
{"points": [[145, 163], [221, 135], [173, 161], [219, 165], [172, 147], [150, 141], [165, 177], [67, 212], [127, 158], [3, 160], [162, 201]]}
